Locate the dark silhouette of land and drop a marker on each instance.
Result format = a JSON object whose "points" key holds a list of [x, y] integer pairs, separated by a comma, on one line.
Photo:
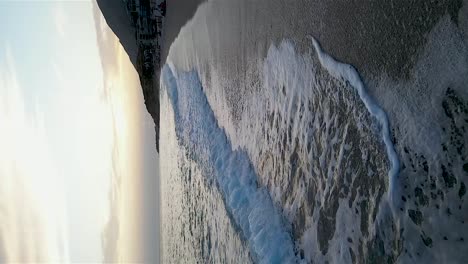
{"points": [[138, 25]]}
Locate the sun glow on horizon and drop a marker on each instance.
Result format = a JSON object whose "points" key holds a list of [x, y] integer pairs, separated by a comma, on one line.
{"points": [[70, 142], [127, 116], [32, 199], [123, 232]]}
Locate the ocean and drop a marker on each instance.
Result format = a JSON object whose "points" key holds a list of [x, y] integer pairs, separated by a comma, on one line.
{"points": [[276, 148]]}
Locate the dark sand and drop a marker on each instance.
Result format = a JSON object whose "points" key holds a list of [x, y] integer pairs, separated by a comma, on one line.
{"points": [[374, 36], [382, 39], [178, 13]]}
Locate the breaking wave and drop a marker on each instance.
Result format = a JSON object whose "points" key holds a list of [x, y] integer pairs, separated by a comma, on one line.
{"points": [[347, 72], [250, 205]]}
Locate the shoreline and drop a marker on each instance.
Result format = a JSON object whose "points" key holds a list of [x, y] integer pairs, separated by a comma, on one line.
{"points": [[178, 13]]}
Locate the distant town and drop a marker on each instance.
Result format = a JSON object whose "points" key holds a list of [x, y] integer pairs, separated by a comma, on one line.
{"points": [[146, 18]]}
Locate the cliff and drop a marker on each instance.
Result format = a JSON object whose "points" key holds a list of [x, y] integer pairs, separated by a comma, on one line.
{"points": [[142, 49], [116, 16]]}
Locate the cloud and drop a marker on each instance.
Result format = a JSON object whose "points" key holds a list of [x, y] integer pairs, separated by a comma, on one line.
{"points": [[131, 233], [32, 208], [58, 73], [111, 236], [60, 20]]}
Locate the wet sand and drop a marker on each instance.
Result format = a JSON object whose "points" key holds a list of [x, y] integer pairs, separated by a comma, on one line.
{"points": [[375, 37], [379, 40]]}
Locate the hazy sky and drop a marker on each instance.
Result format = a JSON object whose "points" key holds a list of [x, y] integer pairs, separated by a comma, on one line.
{"points": [[77, 154]]}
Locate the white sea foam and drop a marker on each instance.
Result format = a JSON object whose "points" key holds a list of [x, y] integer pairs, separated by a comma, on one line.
{"points": [[349, 73], [251, 206], [296, 111], [305, 131], [422, 127]]}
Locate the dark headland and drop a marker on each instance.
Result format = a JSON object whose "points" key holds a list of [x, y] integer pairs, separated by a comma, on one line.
{"points": [[138, 25]]}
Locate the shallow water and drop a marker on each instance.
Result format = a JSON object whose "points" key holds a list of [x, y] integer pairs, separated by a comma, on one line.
{"points": [[195, 226]]}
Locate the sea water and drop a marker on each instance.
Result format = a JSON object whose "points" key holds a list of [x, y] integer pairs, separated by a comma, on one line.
{"points": [[315, 161]]}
